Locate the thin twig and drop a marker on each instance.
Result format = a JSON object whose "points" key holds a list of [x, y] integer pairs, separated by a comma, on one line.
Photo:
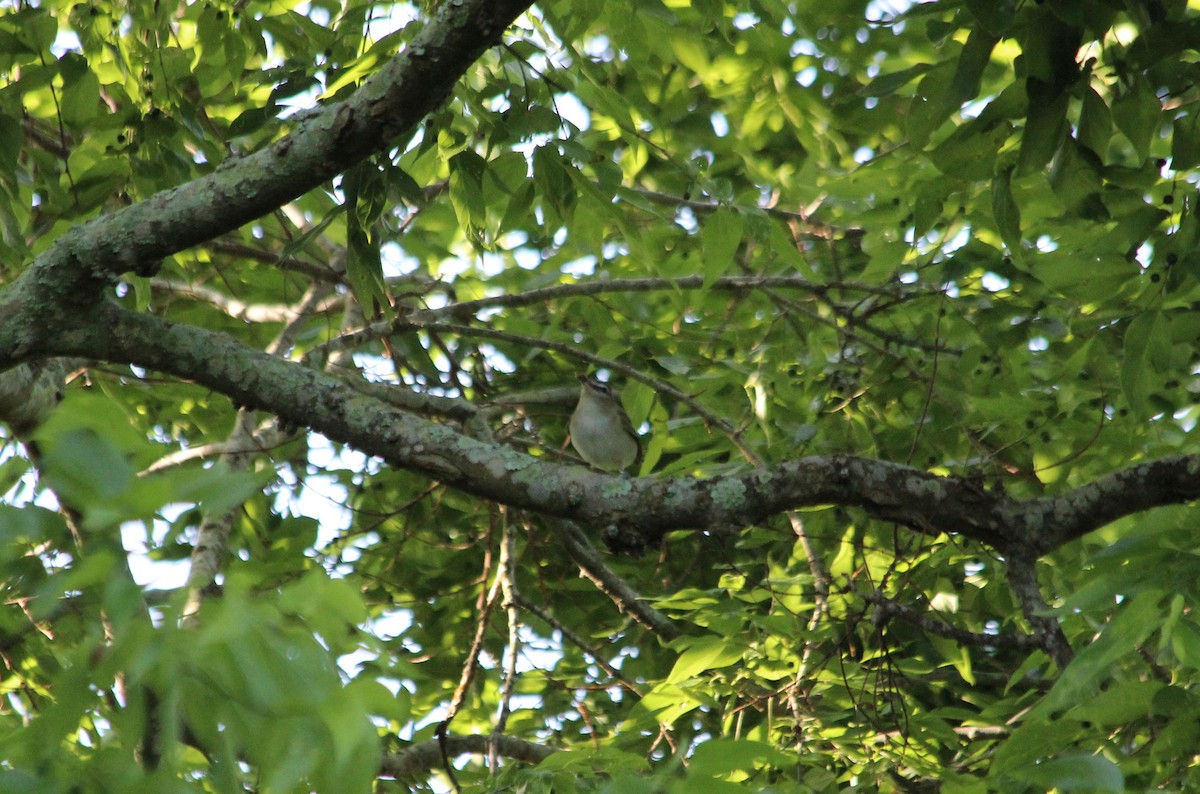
{"points": [[506, 575], [468, 309], [613, 586], [579, 642], [573, 351], [809, 227], [888, 608], [240, 310], [322, 272]]}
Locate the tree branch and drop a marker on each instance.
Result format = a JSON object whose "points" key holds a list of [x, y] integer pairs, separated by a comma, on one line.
{"points": [[613, 586], [327, 273], [240, 310], [642, 508], [1022, 578], [579, 642], [889, 608], [423, 757], [468, 309], [136, 238]]}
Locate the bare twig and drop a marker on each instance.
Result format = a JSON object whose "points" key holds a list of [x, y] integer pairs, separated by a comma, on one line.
{"points": [[321, 272], [575, 639], [806, 225], [748, 283], [240, 310], [657, 384], [889, 608], [506, 576]]}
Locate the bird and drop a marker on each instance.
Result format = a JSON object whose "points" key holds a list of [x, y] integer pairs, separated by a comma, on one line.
{"points": [[600, 429]]}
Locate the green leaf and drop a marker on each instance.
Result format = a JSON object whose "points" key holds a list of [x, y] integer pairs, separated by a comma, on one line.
{"points": [[690, 52], [1076, 180], [364, 267], [1091, 773], [1138, 114], [1177, 740], [10, 142], [1122, 703], [80, 95], [1185, 643], [667, 702], [1105, 274], [364, 65], [927, 210], [603, 757], [1095, 123], [1185, 142], [27, 526], [1045, 128], [86, 468], [720, 237], [702, 654], [994, 16], [933, 104], [555, 186], [970, 151], [975, 56], [890, 83], [252, 120], [1134, 228], [466, 188], [34, 28], [1049, 47], [1005, 210], [330, 605], [1134, 621], [97, 184], [719, 757], [1146, 348]]}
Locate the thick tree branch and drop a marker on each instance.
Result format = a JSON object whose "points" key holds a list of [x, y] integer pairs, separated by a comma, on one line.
{"points": [[647, 508], [1168, 481], [423, 757], [29, 393], [136, 238]]}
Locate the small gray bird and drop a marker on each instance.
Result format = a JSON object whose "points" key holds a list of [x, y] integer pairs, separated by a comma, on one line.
{"points": [[600, 429]]}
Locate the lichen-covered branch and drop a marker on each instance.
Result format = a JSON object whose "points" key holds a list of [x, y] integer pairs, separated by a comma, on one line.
{"points": [[1022, 578], [422, 758], [642, 509], [69, 275]]}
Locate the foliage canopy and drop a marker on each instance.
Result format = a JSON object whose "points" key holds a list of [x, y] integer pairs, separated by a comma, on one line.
{"points": [[902, 297]]}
